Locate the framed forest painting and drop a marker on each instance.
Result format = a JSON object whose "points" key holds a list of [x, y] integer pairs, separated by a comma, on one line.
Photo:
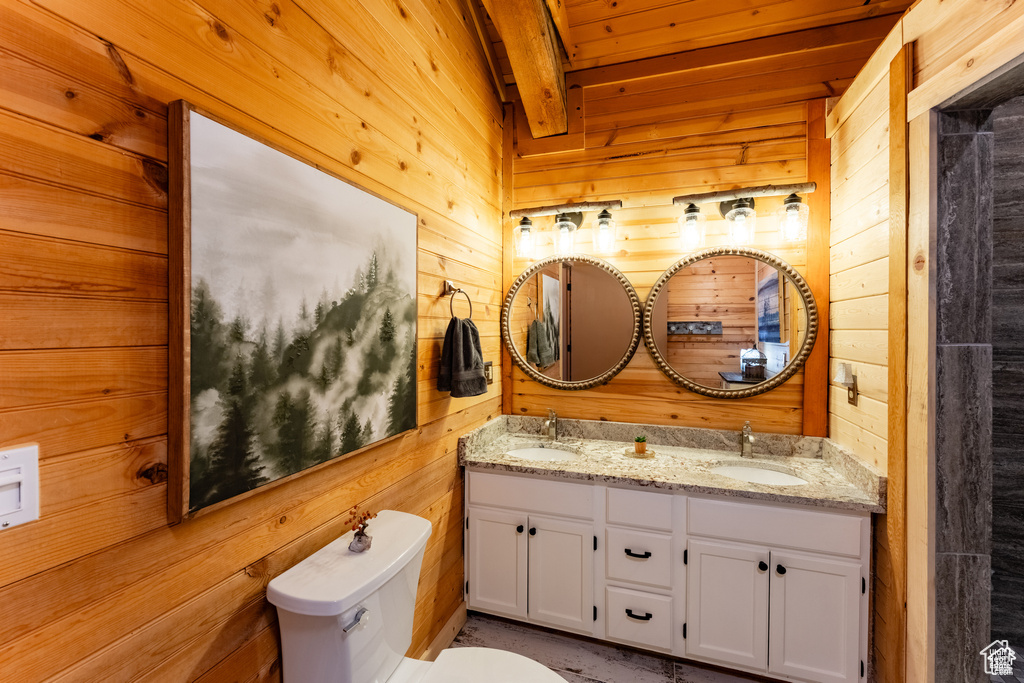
{"points": [[293, 315]]}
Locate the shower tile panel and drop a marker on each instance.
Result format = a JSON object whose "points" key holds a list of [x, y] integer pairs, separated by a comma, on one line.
{"points": [[1008, 610], [1008, 554], [962, 619], [964, 240], [1007, 473], [1007, 403], [965, 122], [963, 440], [1008, 125]]}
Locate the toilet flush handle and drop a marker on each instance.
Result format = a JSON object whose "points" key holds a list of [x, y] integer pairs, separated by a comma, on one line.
{"points": [[361, 617]]}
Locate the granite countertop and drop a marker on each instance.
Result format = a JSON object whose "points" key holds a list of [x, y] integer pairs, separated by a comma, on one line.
{"points": [[683, 461]]}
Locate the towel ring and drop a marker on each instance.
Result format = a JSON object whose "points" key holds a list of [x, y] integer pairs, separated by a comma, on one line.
{"points": [[451, 303]]}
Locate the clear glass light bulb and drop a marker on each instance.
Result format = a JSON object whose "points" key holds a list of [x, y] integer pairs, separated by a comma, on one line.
{"points": [[692, 228]]}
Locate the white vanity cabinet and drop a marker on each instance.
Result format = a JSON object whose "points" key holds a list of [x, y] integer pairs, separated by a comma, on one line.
{"points": [[794, 604], [764, 587], [641, 558], [530, 550]]}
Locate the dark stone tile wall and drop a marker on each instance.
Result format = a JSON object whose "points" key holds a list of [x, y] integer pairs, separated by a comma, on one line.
{"points": [[964, 396], [963, 444], [964, 260], [963, 601], [1007, 122]]}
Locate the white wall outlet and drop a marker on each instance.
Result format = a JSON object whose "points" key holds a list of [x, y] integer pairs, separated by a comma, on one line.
{"points": [[19, 485]]}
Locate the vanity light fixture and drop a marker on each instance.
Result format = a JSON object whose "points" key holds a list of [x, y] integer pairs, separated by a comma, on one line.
{"points": [[524, 238], [565, 234], [742, 220], [845, 377], [604, 232], [692, 228], [793, 219]]}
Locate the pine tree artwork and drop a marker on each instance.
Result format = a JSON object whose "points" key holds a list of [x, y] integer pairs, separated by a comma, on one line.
{"points": [[302, 329]]}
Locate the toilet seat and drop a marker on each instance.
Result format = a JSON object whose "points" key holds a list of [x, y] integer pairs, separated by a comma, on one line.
{"points": [[484, 664]]}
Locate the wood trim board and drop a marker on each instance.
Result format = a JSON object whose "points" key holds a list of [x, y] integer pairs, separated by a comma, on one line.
{"points": [[819, 171], [895, 611]]}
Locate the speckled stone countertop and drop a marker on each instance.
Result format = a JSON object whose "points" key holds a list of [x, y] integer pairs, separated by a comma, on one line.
{"points": [[683, 460]]}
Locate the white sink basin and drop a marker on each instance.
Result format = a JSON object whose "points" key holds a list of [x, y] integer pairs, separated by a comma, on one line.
{"points": [[540, 453], [758, 475]]}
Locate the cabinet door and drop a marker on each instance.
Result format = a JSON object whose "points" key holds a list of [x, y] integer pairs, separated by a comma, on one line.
{"points": [[562, 573], [496, 554], [727, 603], [814, 630]]}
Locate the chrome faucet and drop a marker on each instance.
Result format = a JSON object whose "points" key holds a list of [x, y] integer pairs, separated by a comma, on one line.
{"points": [[550, 425], [747, 441]]}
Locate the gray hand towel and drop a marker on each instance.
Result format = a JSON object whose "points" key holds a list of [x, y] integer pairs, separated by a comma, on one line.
{"points": [[546, 345], [462, 360], [531, 343]]}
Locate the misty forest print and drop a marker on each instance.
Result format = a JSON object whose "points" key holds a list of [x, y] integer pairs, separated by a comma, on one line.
{"points": [[303, 316]]}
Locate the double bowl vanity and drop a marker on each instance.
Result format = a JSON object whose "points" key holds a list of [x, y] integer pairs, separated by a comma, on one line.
{"points": [[673, 553]]}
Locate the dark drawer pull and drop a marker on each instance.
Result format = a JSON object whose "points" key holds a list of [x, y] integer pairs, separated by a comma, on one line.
{"points": [[646, 617], [780, 569], [646, 554], [533, 531], [519, 529], [762, 565]]}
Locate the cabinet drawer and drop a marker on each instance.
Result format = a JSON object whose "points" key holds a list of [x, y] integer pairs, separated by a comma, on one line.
{"points": [[626, 549], [531, 493], [640, 508], [651, 623], [826, 532]]}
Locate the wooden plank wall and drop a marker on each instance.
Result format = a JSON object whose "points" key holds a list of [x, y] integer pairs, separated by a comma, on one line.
{"points": [[396, 98], [955, 44], [721, 118]]}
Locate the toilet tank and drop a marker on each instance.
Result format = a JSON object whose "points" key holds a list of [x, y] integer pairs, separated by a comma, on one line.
{"points": [[322, 596]]}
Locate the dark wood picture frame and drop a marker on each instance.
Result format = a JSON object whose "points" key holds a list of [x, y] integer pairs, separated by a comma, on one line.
{"points": [[180, 505]]}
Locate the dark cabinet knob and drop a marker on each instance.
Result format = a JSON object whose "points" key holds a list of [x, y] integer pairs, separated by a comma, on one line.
{"points": [[632, 615], [519, 529], [642, 556], [780, 569], [762, 565], [533, 531]]}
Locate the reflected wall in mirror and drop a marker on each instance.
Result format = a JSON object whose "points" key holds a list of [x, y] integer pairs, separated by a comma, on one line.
{"points": [[730, 322], [571, 322]]}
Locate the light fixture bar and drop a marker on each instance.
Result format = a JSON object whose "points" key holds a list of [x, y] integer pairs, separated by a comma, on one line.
{"points": [[763, 191], [556, 209]]}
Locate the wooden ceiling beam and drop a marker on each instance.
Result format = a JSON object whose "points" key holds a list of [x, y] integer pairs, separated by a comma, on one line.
{"points": [[757, 48], [488, 47], [530, 39], [560, 18]]}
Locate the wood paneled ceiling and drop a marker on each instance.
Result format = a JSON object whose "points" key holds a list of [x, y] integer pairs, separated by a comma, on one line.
{"points": [[647, 36]]}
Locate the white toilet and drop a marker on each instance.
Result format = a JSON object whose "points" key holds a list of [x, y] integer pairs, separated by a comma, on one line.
{"points": [[347, 617]]}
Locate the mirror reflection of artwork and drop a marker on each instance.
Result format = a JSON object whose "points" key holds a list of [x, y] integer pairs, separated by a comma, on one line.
{"points": [[545, 340], [768, 321], [302, 335]]}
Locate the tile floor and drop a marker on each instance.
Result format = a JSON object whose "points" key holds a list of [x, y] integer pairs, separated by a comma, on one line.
{"points": [[584, 661]]}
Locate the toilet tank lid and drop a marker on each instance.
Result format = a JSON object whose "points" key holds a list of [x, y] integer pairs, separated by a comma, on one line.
{"points": [[335, 579]]}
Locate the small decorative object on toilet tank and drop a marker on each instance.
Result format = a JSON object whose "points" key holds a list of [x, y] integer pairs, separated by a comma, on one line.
{"points": [[640, 445], [360, 521]]}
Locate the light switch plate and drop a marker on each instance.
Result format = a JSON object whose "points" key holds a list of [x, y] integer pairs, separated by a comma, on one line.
{"points": [[489, 372], [19, 485]]}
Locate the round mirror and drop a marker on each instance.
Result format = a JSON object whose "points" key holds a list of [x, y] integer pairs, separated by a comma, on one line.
{"points": [[730, 322], [571, 322]]}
